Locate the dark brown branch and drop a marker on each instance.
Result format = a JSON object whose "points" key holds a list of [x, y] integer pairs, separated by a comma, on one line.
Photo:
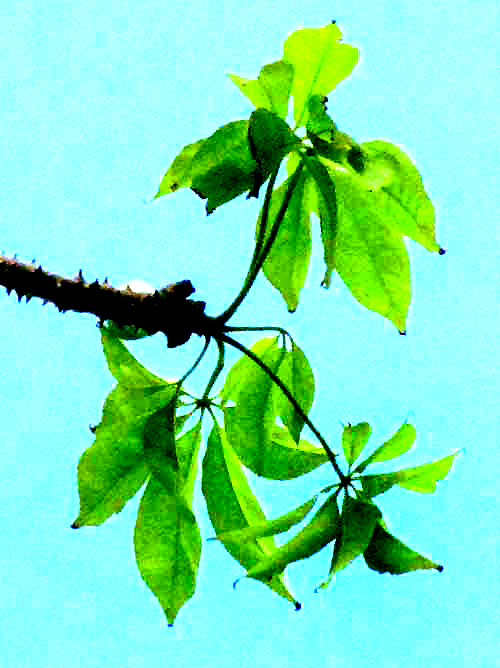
{"points": [[167, 310]]}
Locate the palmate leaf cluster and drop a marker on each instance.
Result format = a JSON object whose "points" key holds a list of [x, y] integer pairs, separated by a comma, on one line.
{"points": [[367, 198]]}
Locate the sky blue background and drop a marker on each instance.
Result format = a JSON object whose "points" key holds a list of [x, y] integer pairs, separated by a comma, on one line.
{"points": [[96, 101]]}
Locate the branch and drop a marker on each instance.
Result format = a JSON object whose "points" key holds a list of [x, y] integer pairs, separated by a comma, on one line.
{"points": [[167, 310]]}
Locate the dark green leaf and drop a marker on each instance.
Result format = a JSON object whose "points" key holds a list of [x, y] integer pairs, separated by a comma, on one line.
{"points": [[399, 444], [320, 64], [167, 547], [223, 168], [232, 505], [270, 140], [387, 554], [354, 440], [358, 520], [269, 528], [295, 371], [271, 90]]}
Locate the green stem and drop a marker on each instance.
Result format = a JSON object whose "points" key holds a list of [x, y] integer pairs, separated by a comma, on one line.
{"points": [[260, 329], [217, 370], [198, 360], [331, 456]]}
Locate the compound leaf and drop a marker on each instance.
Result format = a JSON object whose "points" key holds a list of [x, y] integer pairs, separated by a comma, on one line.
{"points": [[232, 505], [320, 63], [272, 88], [387, 554], [167, 546]]}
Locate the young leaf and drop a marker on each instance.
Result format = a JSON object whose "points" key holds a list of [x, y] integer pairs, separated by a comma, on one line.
{"points": [[358, 520], [269, 528], [180, 173], [406, 190], [271, 90], [321, 530], [320, 64], [282, 459], [387, 554], [399, 444], [370, 254], [167, 547], [421, 479], [223, 168], [232, 505], [287, 263], [354, 440]]}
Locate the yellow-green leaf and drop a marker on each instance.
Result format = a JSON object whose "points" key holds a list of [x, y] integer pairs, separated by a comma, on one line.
{"points": [[354, 440], [180, 173], [271, 90], [399, 444], [358, 520]]}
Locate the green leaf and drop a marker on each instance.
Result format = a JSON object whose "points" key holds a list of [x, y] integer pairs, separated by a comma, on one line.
{"points": [[232, 505], [358, 520], [421, 479], [224, 168], [320, 63], [269, 528], [399, 444], [287, 263], [159, 443], [295, 371], [416, 216], [114, 468], [270, 140], [321, 530], [187, 448], [282, 459], [167, 547], [370, 255], [319, 124], [326, 202], [271, 90], [387, 554], [123, 365], [354, 440], [180, 172]]}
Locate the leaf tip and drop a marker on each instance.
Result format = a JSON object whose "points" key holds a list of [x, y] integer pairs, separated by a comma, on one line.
{"points": [[440, 568], [75, 525], [402, 332], [298, 606], [441, 251]]}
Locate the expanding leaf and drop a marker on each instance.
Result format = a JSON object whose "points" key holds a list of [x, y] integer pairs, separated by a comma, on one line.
{"points": [[223, 168], [354, 440], [271, 90], [358, 520], [399, 444], [270, 140], [320, 64], [421, 479], [416, 217], [321, 530], [370, 254], [232, 505], [180, 172], [269, 528], [167, 546], [387, 554], [287, 263], [282, 459]]}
